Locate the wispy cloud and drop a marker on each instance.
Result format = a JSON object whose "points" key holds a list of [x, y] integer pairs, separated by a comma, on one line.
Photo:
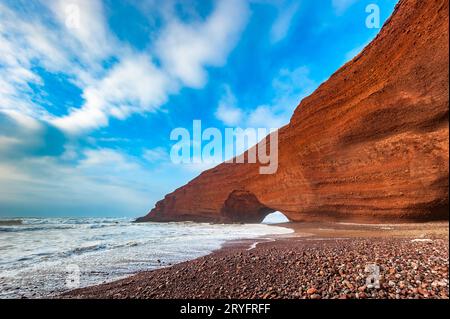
{"points": [[44, 185], [283, 22], [289, 87], [340, 6], [135, 84], [186, 49], [85, 23], [227, 111], [82, 181], [156, 154]]}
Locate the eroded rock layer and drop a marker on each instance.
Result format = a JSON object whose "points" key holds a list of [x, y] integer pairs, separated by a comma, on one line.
{"points": [[370, 144]]}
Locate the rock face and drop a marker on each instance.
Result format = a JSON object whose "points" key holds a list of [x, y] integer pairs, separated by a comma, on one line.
{"points": [[370, 144]]}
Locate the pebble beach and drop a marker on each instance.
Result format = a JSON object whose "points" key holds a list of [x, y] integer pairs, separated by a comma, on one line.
{"points": [[330, 261]]}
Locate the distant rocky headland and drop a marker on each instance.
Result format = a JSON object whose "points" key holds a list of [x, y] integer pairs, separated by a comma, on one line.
{"points": [[370, 144]]}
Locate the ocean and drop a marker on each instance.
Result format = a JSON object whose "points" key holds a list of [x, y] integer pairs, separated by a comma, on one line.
{"points": [[42, 257]]}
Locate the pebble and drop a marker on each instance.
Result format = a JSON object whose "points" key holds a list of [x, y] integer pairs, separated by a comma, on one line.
{"points": [[314, 269]]}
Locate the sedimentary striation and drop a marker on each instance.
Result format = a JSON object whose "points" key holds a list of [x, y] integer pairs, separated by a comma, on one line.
{"points": [[370, 144]]}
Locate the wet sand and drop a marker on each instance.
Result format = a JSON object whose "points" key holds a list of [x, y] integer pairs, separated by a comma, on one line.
{"points": [[318, 260]]}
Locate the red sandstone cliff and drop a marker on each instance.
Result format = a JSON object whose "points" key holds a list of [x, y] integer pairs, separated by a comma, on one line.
{"points": [[370, 144]]}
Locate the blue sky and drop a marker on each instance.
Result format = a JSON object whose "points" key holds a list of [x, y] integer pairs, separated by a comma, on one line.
{"points": [[90, 90]]}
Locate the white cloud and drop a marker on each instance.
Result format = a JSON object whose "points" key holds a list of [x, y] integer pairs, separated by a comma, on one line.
{"points": [[15, 67], [99, 159], [229, 115], [101, 181], [84, 23], [340, 6], [6, 142], [186, 49], [134, 85], [45, 186], [227, 111], [28, 40], [25, 121], [264, 116], [289, 87], [280, 27], [155, 155]]}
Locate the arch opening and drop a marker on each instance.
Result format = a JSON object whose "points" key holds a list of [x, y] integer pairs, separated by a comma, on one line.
{"points": [[276, 217], [242, 206]]}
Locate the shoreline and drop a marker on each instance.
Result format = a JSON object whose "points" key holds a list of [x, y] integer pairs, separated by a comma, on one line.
{"points": [[317, 260]]}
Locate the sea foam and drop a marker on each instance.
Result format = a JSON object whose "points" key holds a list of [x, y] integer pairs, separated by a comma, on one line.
{"points": [[38, 255]]}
